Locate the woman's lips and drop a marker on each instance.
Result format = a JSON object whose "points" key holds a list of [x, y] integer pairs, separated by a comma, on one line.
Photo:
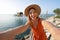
{"points": [[33, 17]]}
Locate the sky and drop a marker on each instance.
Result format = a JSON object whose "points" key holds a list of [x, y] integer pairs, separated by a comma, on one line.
{"points": [[14, 6]]}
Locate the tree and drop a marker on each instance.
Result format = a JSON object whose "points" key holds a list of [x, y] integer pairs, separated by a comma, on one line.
{"points": [[57, 11]]}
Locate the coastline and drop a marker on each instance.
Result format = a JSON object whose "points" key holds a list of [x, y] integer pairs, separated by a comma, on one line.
{"points": [[53, 20]]}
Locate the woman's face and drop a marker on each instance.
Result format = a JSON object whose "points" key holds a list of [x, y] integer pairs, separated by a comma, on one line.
{"points": [[33, 14]]}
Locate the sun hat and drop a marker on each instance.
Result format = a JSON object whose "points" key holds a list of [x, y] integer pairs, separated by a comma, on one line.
{"points": [[33, 6]]}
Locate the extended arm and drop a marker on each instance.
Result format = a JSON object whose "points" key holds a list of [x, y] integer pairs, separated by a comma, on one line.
{"points": [[11, 33], [55, 32]]}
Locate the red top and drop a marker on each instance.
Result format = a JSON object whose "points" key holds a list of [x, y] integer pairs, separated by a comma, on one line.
{"points": [[38, 32]]}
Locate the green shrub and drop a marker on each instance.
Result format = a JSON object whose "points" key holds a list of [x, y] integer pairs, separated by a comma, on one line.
{"points": [[57, 17]]}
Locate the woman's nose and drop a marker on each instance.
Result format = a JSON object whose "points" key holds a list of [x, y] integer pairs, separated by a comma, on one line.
{"points": [[33, 14]]}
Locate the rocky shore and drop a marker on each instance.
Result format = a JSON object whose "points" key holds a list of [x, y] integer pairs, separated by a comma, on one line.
{"points": [[55, 21]]}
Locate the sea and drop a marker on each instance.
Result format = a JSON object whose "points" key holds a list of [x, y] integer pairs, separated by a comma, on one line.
{"points": [[8, 21]]}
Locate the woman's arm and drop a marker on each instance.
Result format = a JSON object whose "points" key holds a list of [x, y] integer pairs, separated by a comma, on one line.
{"points": [[11, 33], [55, 32], [17, 30], [50, 27]]}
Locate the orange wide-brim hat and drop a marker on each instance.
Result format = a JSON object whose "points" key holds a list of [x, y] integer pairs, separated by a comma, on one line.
{"points": [[35, 6]]}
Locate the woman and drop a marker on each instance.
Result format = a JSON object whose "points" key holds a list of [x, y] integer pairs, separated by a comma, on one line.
{"points": [[37, 25], [32, 12]]}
